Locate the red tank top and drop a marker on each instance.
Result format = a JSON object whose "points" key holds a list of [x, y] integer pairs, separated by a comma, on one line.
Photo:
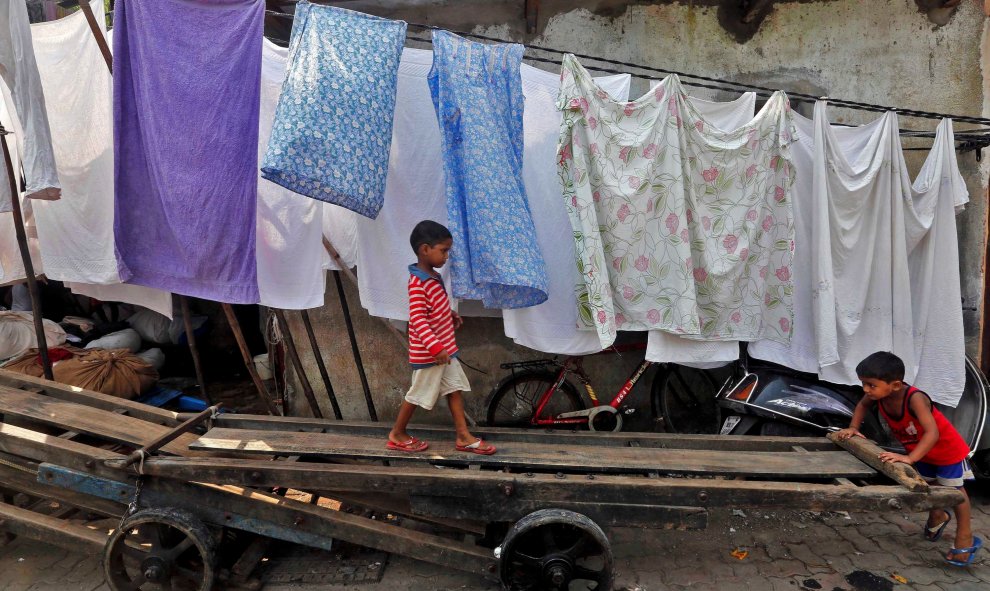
{"points": [[950, 447]]}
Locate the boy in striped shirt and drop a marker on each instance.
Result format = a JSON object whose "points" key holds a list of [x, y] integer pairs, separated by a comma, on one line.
{"points": [[432, 348]]}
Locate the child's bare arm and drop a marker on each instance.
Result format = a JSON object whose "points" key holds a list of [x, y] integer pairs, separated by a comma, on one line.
{"points": [[921, 408], [859, 415]]}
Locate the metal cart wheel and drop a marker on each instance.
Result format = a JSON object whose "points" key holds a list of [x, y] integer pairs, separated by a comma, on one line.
{"points": [[555, 549], [162, 549]]}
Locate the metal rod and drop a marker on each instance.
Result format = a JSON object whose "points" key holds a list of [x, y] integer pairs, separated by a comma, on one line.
{"points": [[193, 350], [22, 244], [170, 436], [101, 39], [235, 327], [354, 346], [320, 364], [290, 347]]}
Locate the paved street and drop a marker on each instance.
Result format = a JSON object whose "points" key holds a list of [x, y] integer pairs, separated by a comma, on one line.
{"points": [[792, 551]]}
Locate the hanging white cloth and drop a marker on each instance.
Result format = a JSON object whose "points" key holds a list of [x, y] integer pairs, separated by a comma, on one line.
{"points": [[866, 277], [664, 347], [76, 232], [289, 243], [25, 101], [11, 265], [551, 327], [340, 228]]}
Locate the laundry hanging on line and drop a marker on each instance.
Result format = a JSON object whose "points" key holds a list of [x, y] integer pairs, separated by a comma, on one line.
{"points": [[333, 124], [26, 117], [186, 181]]}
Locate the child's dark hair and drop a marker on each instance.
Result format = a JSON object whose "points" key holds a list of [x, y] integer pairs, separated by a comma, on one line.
{"points": [[429, 233], [881, 366]]}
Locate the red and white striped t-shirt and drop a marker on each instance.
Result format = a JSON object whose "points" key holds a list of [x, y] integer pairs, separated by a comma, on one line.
{"points": [[431, 321]]}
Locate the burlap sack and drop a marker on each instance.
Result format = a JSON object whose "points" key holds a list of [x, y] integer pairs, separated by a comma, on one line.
{"points": [[117, 372], [29, 363]]}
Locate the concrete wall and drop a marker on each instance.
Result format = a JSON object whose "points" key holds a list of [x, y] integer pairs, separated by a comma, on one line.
{"points": [[890, 53]]}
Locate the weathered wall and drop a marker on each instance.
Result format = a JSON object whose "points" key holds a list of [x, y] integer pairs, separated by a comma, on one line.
{"points": [[888, 53]]}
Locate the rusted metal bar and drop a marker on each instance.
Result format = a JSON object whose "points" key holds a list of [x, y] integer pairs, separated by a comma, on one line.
{"points": [[320, 364], [101, 39], [354, 346], [290, 347], [171, 436], [22, 245], [193, 350], [235, 327]]}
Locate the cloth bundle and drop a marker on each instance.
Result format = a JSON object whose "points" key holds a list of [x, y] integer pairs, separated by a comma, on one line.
{"points": [[17, 333], [678, 225], [477, 93], [333, 124], [118, 372], [186, 99], [29, 362]]}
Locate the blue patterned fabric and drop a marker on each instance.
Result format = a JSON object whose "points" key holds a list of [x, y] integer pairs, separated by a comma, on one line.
{"points": [[477, 93], [333, 122]]}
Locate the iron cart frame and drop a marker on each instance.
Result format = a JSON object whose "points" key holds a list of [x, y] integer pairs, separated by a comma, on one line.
{"points": [[543, 499]]}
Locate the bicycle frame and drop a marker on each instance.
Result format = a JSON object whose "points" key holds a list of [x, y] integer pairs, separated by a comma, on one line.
{"points": [[575, 365]]}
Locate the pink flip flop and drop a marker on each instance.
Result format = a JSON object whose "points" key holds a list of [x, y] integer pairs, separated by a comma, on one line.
{"points": [[479, 447], [412, 446]]}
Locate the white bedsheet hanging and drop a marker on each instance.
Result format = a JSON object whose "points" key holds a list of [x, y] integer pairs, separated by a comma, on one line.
{"points": [[876, 262], [289, 244]]}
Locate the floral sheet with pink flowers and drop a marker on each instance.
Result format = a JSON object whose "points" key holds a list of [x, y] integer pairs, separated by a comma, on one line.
{"points": [[678, 225]]}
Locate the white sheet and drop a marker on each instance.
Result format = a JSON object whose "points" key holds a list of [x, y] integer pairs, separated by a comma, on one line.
{"points": [[876, 261], [289, 246], [25, 101], [11, 265], [551, 327]]}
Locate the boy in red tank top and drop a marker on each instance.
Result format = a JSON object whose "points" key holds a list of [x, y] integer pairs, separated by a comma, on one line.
{"points": [[934, 446]]}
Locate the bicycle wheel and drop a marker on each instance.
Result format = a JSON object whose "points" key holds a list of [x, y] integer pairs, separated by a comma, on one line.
{"points": [[513, 401], [686, 398]]}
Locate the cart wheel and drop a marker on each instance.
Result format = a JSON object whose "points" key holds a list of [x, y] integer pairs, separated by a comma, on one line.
{"points": [[555, 549], [162, 549]]}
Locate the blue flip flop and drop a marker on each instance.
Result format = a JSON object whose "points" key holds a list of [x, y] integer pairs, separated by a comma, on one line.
{"points": [[933, 534], [977, 544]]}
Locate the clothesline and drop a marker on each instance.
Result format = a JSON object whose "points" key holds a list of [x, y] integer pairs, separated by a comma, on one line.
{"points": [[970, 139]]}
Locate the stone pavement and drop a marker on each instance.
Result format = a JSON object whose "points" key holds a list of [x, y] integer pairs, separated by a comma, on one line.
{"points": [[785, 551]]}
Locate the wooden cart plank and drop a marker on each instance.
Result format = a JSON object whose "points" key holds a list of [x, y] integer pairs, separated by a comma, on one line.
{"points": [[869, 453], [549, 457], [27, 483], [86, 419], [504, 488], [89, 398], [51, 530], [548, 436]]}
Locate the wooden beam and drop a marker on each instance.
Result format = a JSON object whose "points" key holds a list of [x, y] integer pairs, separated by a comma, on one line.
{"points": [[51, 530], [529, 457], [318, 356], [290, 347], [193, 349], [98, 35], [869, 453], [235, 327]]}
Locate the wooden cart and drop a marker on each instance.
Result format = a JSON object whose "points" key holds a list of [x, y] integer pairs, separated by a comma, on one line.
{"points": [[541, 502]]}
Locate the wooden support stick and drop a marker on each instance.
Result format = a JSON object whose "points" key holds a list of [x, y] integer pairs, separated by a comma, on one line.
{"points": [[869, 453], [170, 436], [354, 346], [101, 39], [22, 244], [320, 364], [290, 347], [235, 327], [193, 350]]}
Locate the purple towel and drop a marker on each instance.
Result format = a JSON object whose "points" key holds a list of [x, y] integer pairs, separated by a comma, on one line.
{"points": [[186, 93]]}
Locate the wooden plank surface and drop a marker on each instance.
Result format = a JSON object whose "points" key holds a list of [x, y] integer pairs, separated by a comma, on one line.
{"points": [[89, 398], [546, 457], [88, 420], [551, 436], [51, 530]]}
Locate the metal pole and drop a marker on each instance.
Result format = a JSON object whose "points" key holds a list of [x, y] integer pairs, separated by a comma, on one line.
{"points": [[319, 363], [191, 341], [22, 244], [235, 327], [290, 347], [94, 26], [354, 346]]}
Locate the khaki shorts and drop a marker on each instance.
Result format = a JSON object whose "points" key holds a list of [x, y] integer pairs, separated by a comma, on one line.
{"points": [[430, 383]]}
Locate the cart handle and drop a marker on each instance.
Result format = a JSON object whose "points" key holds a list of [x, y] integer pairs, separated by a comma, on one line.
{"points": [[141, 453]]}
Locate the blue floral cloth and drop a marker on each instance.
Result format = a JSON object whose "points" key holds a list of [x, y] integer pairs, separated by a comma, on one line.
{"points": [[333, 122], [477, 93]]}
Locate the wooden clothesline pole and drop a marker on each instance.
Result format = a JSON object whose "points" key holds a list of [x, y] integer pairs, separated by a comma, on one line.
{"points": [[101, 39], [290, 347], [327, 384], [22, 244], [235, 327]]}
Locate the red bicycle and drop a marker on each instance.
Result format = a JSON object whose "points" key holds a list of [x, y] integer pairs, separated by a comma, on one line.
{"points": [[538, 394]]}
